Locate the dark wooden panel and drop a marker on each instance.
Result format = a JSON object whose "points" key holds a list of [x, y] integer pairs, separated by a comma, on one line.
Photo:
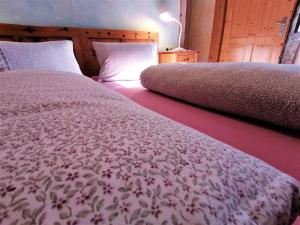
{"points": [[217, 32]]}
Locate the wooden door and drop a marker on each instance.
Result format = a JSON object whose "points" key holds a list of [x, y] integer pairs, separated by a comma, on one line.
{"points": [[255, 30]]}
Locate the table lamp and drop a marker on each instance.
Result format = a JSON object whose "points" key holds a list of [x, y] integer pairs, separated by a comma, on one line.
{"points": [[167, 17]]}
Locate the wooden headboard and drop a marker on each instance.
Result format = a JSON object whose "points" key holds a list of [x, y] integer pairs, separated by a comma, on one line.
{"points": [[81, 37]]}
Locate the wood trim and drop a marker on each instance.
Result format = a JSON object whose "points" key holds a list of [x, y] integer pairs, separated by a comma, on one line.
{"points": [[218, 30], [182, 19], [187, 22], [82, 38]]}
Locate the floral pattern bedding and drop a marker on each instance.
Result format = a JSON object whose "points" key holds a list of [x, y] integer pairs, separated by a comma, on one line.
{"points": [[73, 152]]}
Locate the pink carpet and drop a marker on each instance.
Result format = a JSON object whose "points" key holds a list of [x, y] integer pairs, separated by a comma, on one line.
{"points": [[278, 149]]}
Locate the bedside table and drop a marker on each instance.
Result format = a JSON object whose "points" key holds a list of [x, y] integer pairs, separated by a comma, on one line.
{"points": [[189, 56]]}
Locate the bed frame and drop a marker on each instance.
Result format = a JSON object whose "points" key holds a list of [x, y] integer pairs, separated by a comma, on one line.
{"points": [[81, 37]]}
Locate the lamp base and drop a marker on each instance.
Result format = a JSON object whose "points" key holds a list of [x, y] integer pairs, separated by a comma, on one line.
{"points": [[178, 49]]}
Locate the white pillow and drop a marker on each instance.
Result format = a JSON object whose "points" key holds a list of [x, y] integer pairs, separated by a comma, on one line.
{"points": [[52, 55], [124, 61]]}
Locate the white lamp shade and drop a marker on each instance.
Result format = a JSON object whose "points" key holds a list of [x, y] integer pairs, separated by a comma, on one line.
{"points": [[166, 16]]}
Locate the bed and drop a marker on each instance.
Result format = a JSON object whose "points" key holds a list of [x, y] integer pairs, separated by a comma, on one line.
{"points": [[75, 152]]}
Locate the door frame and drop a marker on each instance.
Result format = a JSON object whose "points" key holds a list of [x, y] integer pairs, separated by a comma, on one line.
{"points": [[218, 30]]}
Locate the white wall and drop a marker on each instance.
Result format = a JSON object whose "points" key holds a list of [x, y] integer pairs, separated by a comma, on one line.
{"points": [[200, 27], [114, 14]]}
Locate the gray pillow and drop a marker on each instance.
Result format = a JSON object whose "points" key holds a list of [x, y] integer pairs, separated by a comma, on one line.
{"points": [[53, 55]]}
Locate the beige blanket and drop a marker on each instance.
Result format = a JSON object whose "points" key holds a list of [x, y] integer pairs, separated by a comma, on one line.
{"points": [[265, 92]]}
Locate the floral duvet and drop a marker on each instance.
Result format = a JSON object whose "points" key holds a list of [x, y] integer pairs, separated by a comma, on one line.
{"points": [[73, 152]]}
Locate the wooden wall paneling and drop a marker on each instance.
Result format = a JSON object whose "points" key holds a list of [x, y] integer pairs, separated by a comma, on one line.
{"points": [[240, 50], [248, 49], [261, 19], [82, 39], [262, 50], [251, 14], [218, 29], [224, 55]]}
